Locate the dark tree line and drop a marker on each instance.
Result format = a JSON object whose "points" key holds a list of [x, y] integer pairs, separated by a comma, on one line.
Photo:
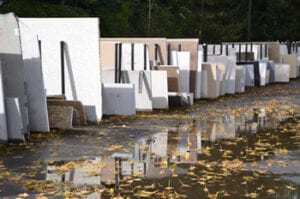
{"points": [[208, 20]]}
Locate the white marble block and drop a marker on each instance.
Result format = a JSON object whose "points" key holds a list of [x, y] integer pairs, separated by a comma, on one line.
{"points": [[159, 85], [118, 99]]}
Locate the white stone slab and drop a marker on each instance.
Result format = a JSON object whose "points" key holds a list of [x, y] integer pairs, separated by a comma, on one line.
{"points": [[12, 64], [82, 67], [118, 99], [159, 85], [283, 49], [143, 90], [240, 79], [3, 126], [182, 59], [14, 119], [198, 86], [139, 60], [262, 73], [37, 102], [282, 72]]}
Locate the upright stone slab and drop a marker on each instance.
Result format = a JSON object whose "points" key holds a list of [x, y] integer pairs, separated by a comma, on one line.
{"points": [[211, 79], [3, 125], [107, 61], [82, 61], [159, 44], [273, 49], [36, 95], [14, 119], [119, 99], [12, 64], [282, 72], [60, 117], [159, 85], [198, 86], [249, 75], [143, 90], [138, 53], [182, 59], [262, 73], [291, 60], [190, 45], [240, 79]]}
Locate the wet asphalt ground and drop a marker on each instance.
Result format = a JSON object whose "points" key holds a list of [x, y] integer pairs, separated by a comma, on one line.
{"points": [[238, 146]]}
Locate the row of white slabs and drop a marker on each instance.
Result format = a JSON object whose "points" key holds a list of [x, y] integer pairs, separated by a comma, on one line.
{"points": [[23, 106], [139, 89]]}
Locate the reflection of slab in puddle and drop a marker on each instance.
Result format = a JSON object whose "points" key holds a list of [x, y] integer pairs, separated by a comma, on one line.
{"points": [[78, 172]]}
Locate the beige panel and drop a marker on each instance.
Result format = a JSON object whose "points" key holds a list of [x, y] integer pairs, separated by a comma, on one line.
{"points": [[292, 61], [190, 45], [274, 51], [162, 42], [107, 54]]}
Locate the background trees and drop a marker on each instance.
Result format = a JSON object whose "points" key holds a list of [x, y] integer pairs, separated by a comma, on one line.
{"points": [[209, 20]]}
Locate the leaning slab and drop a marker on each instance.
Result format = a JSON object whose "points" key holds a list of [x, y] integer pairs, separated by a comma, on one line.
{"points": [[292, 61], [3, 126], [14, 120], [35, 88]]}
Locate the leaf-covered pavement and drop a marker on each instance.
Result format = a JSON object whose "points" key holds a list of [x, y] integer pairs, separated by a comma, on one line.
{"points": [[239, 146]]}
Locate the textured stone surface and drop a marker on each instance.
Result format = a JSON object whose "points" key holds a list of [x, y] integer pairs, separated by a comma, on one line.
{"points": [[79, 117], [60, 117]]}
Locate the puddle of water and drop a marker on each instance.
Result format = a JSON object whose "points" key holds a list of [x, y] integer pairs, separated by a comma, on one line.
{"points": [[242, 155]]}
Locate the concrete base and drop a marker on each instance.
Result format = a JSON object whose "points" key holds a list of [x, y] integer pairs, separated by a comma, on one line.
{"points": [[15, 127], [181, 99], [282, 72], [118, 99], [143, 89], [240, 79], [159, 85], [60, 117]]}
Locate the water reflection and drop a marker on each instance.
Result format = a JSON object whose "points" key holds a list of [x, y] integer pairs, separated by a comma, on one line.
{"points": [[198, 154]]}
